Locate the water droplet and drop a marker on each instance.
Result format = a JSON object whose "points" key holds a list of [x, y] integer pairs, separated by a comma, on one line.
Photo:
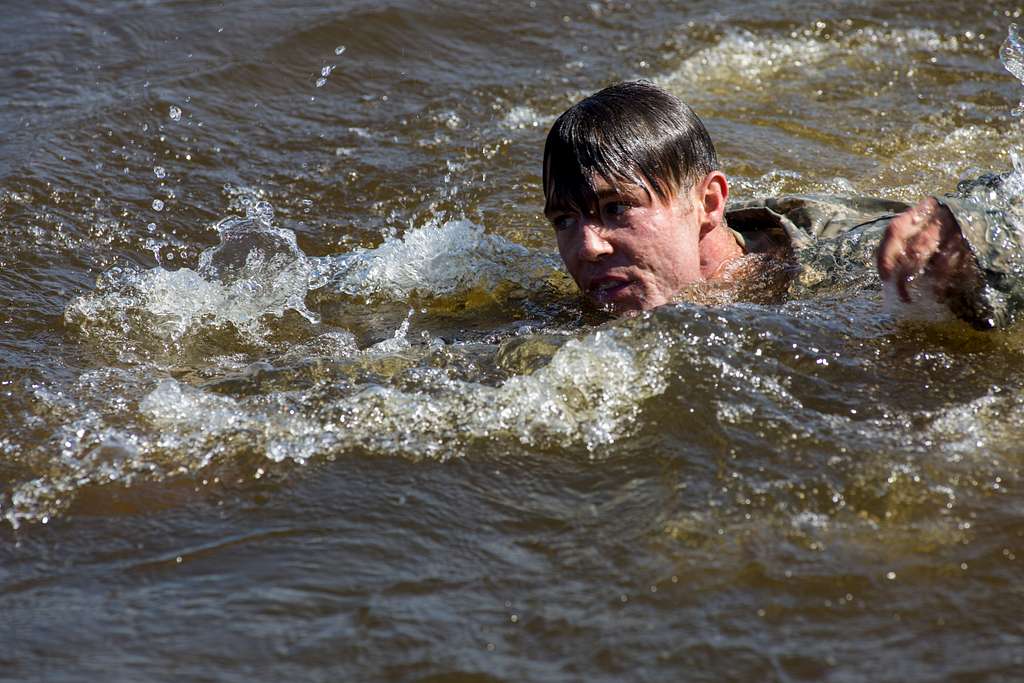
{"points": [[175, 113], [339, 50], [891, 576], [159, 172], [262, 211], [158, 205]]}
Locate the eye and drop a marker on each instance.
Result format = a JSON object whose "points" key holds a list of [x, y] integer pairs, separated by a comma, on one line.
{"points": [[563, 221], [616, 210]]}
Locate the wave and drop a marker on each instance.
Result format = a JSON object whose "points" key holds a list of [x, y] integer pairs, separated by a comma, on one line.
{"points": [[589, 395], [741, 57], [258, 273], [437, 260]]}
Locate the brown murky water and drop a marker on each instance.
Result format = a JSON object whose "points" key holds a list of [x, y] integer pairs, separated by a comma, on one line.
{"points": [[373, 435]]}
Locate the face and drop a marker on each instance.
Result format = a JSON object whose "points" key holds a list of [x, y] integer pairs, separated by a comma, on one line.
{"points": [[635, 252]]}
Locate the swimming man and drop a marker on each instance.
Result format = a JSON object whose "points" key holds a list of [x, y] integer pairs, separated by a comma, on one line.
{"points": [[633, 189]]}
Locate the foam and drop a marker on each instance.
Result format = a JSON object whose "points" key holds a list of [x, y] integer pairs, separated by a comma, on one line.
{"points": [[588, 395], [437, 260], [741, 57], [522, 116], [256, 270]]}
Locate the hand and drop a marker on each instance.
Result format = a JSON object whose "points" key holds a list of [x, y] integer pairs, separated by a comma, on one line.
{"points": [[926, 240]]}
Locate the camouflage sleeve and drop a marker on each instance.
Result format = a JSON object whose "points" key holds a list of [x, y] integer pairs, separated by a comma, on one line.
{"points": [[841, 264], [832, 238], [989, 212]]}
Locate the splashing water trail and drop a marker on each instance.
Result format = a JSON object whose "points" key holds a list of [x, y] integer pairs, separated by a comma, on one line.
{"points": [[439, 259], [1011, 54], [256, 270]]}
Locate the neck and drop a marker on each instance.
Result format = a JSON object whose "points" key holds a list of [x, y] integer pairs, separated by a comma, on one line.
{"points": [[717, 247]]}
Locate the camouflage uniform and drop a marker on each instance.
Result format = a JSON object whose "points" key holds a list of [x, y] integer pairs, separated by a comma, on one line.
{"points": [[834, 238]]}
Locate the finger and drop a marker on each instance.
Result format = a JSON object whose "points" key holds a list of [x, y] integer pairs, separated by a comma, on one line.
{"points": [[951, 262], [923, 244], [950, 255], [951, 238], [925, 209], [901, 258], [898, 234], [902, 275], [892, 247]]}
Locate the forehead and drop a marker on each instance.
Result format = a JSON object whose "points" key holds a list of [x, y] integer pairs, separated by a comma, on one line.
{"points": [[603, 187]]}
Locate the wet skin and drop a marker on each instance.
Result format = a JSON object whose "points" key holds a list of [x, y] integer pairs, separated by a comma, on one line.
{"points": [[635, 250]]}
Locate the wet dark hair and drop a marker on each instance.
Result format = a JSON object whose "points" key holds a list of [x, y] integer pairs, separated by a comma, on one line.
{"points": [[629, 133]]}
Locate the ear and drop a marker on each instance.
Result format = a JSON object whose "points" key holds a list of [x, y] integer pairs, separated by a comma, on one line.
{"points": [[712, 193]]}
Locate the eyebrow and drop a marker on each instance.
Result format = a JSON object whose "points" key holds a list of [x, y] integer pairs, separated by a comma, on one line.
{"points": [[600, 194]]}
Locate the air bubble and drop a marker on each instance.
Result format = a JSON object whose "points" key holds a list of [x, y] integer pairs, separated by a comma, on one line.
{"points": [[339, 50], [158, 205], [159, 172], [175, 113]]}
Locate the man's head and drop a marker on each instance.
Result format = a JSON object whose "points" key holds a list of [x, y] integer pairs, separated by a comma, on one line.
{"points": [[632, 188]]}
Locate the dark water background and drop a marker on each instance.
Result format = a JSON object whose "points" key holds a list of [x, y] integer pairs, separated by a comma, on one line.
{"points": [[381, 440]]}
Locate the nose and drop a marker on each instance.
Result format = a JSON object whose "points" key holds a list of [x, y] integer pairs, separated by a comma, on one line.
{"points": [[593, 244]]}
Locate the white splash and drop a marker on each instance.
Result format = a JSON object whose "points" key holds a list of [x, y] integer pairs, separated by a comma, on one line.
{"points": [[436, 260], [522, 116], [256, 270], [742, 57], [590, 395], [1011, 54]]}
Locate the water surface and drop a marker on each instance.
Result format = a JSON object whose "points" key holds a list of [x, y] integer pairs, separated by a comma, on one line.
{"points": [[371, 434]]}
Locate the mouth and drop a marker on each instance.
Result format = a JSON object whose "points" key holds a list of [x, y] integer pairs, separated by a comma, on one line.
{"points": [[609, 290]]}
